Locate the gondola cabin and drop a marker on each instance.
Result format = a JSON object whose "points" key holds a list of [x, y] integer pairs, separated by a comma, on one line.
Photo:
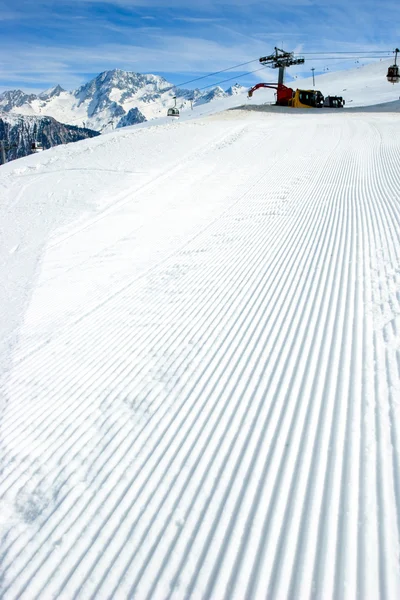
{"points": [[393, 75], [173, 112], [36, 147]]}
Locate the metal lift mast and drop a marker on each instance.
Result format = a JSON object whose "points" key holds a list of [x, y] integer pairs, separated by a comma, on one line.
{"points": [[280, 60]]}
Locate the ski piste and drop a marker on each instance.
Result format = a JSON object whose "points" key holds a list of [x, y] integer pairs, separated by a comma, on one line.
{"points": [[200, 361]]}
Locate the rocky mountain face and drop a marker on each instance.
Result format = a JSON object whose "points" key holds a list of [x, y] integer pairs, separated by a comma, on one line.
{"points": [[15, 99], [112, 99], [133, 117], [118, 87], [18, 132]]}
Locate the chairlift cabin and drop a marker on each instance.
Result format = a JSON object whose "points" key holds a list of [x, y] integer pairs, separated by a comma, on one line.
{"points": [[36, 147], [393, 74], [173, 112]]}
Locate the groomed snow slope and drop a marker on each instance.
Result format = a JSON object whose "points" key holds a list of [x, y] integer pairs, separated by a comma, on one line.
{"points": [[201, 362]]}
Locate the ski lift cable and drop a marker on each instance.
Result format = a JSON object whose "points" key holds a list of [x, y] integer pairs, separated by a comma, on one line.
{"points": [[216, 73], [231, 78], [263, 69], [347, 52], [344, 57], [296, 54]]}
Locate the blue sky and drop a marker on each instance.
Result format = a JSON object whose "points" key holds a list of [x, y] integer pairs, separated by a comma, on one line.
{"points": [[46, 42]]}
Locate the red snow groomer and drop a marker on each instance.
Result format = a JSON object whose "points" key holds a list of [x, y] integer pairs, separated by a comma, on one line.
{"points": [[283, 94]]}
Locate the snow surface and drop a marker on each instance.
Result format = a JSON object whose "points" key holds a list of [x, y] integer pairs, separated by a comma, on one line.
{"points": [[200, 360]]}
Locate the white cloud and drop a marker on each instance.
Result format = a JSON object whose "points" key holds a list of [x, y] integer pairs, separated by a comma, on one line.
{"points": [[193, 40], [179, 54]]}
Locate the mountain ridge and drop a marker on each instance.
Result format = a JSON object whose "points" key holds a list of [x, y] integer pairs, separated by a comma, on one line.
{"points": [[20, 131], [104, 102]]}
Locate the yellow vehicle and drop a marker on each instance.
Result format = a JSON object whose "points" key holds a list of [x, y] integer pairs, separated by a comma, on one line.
{"points": [[306, 99], [286, 96]]}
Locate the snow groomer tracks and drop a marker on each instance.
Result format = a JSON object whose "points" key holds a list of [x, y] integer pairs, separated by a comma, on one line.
{"points": [[205, 399]]}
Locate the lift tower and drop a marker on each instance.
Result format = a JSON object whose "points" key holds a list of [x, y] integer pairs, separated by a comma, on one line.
{"points": [[280, 60]]}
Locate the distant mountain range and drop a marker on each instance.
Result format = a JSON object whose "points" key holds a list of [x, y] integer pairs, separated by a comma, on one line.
{"points": [[112, 99], [19, 131]]}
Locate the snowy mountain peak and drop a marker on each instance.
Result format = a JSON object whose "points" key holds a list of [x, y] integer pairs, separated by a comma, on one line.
{"points": [[111, 90], [108, 100], [51, 93], [236, 89], [127, 82], [14, 99]]}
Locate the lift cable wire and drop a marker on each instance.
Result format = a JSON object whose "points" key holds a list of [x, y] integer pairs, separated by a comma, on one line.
{"points": [[315, 54], [231, 78], [262, 69], [345, 57], [216, 73], [346, 52]]}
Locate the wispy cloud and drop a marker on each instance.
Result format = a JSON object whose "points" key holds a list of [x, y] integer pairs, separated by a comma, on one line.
{"points": [[67, 41], [181, 57], [198, 19]]}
